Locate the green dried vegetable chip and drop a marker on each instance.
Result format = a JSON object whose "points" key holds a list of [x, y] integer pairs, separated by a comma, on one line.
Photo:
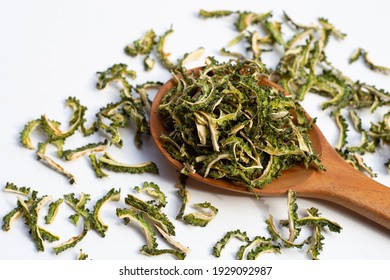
{"points": [[227, 126]]}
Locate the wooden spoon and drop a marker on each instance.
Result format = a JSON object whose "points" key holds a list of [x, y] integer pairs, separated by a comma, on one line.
{"points": [[340, 183]]}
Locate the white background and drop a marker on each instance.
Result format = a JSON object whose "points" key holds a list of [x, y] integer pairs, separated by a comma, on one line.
{"points": [[50, 50]]}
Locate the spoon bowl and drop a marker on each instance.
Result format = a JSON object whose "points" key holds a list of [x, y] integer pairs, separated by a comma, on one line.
{"points": [[340, 183]]}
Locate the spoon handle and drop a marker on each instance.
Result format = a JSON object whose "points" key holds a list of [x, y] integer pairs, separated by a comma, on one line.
{"points": [[355, 191]]}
